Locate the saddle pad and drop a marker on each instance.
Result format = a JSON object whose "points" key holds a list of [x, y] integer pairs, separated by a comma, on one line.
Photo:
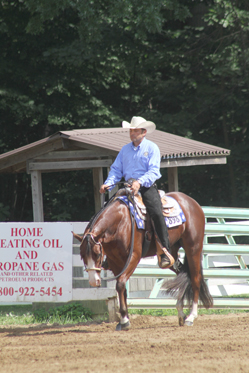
{"points": [[171, 221]]}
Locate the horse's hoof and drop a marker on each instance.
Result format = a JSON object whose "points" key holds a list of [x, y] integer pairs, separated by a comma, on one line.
{"points": [[125, 326], [189, 323], [182, 320]]}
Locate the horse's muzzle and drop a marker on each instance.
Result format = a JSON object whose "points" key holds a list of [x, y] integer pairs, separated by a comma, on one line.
{"points": [[94, 278]]}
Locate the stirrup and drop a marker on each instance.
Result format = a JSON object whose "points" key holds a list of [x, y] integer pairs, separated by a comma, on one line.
{"points": [[169, 256]]}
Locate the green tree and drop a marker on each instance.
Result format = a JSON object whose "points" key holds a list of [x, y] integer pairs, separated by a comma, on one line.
{"points": [[69, 64]]}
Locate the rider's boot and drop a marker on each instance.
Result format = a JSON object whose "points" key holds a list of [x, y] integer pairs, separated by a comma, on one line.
{"points": [[165, 260]]}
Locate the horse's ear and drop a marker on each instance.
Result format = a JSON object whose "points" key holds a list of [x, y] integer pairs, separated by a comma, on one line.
{"points": [[77, 236]]}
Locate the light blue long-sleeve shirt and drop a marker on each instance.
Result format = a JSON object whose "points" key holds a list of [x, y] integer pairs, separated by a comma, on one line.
{"points": [[141, 163]]}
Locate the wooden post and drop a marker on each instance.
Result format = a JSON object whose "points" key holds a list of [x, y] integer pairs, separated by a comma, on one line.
{"points": [[97, 182], [173, 179], [36, 184], [115, 189]]}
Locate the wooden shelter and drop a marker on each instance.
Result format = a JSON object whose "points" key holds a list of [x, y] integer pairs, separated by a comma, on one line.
{"points": [[97, 148]]}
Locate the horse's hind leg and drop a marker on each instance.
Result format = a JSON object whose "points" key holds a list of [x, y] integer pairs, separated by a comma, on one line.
{"points": [[189, 321], [181, 314], [194, 262]]}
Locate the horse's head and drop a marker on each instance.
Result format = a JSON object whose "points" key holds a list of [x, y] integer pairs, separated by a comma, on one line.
{"points": [[105, 228], [91, 252]]}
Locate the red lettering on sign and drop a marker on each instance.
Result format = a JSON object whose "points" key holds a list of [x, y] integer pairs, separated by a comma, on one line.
{"points": [[47, 266], [35, 232], [15, 266], [3, 244], [54, 244], [27, 254]]}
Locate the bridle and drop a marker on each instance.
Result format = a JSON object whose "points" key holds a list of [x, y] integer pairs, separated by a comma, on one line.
{"points": [[87, 236]]}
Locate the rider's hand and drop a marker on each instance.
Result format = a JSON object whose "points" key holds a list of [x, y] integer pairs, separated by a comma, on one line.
{"points": [[135, 187], [103, 188]]}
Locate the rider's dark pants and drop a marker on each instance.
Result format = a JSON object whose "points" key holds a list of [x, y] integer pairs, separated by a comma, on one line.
{"points": [[152, 201]]}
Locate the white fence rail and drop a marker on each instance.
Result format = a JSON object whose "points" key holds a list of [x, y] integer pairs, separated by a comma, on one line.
{"points": [[225, 260], [226, 240], [228, 226]]}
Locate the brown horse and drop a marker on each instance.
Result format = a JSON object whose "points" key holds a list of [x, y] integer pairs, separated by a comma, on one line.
{"points": [[109, 232]]}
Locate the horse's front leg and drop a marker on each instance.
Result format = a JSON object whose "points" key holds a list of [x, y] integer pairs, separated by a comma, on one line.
{"points": [[124, 323]]}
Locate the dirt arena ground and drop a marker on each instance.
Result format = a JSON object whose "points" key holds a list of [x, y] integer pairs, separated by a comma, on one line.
{"points": [[215, 343]]}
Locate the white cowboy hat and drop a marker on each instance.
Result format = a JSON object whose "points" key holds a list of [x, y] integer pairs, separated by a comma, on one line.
{"points": [[139, 122]]}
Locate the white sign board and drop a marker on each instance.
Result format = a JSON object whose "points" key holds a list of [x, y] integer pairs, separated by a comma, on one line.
{"points": [[35, 262]]}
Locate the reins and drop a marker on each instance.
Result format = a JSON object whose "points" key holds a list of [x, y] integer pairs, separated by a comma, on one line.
{"points": [[91, 223], [130, 253]]}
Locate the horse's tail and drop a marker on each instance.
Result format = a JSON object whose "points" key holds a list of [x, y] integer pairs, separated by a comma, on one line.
{"points": [[181, 288]]}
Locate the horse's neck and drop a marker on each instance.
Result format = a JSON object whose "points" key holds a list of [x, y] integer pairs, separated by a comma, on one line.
{"points": [[110, 221]]}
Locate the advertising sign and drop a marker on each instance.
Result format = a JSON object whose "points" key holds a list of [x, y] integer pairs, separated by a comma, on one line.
{"points": [[35, 262]]}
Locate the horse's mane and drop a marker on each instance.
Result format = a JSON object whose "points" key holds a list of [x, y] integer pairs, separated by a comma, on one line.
{"points": [[95, 217]]}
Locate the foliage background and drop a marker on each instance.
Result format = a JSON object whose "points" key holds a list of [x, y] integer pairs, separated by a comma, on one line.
{"points": [[80, 64]]}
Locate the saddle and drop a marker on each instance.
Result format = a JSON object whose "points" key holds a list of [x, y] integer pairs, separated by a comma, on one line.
{"points": [[171, 210], [170, 207]]}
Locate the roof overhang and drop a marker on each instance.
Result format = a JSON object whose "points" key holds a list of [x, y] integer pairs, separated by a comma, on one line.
{"points": [[89, 148], [193, 161]]}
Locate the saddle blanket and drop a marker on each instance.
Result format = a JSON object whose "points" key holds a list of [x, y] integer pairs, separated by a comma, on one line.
{"points": [[175, 215]]}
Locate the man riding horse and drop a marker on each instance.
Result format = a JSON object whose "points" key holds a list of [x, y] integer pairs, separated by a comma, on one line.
{"points": [[140, 161], [112, 231]]}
